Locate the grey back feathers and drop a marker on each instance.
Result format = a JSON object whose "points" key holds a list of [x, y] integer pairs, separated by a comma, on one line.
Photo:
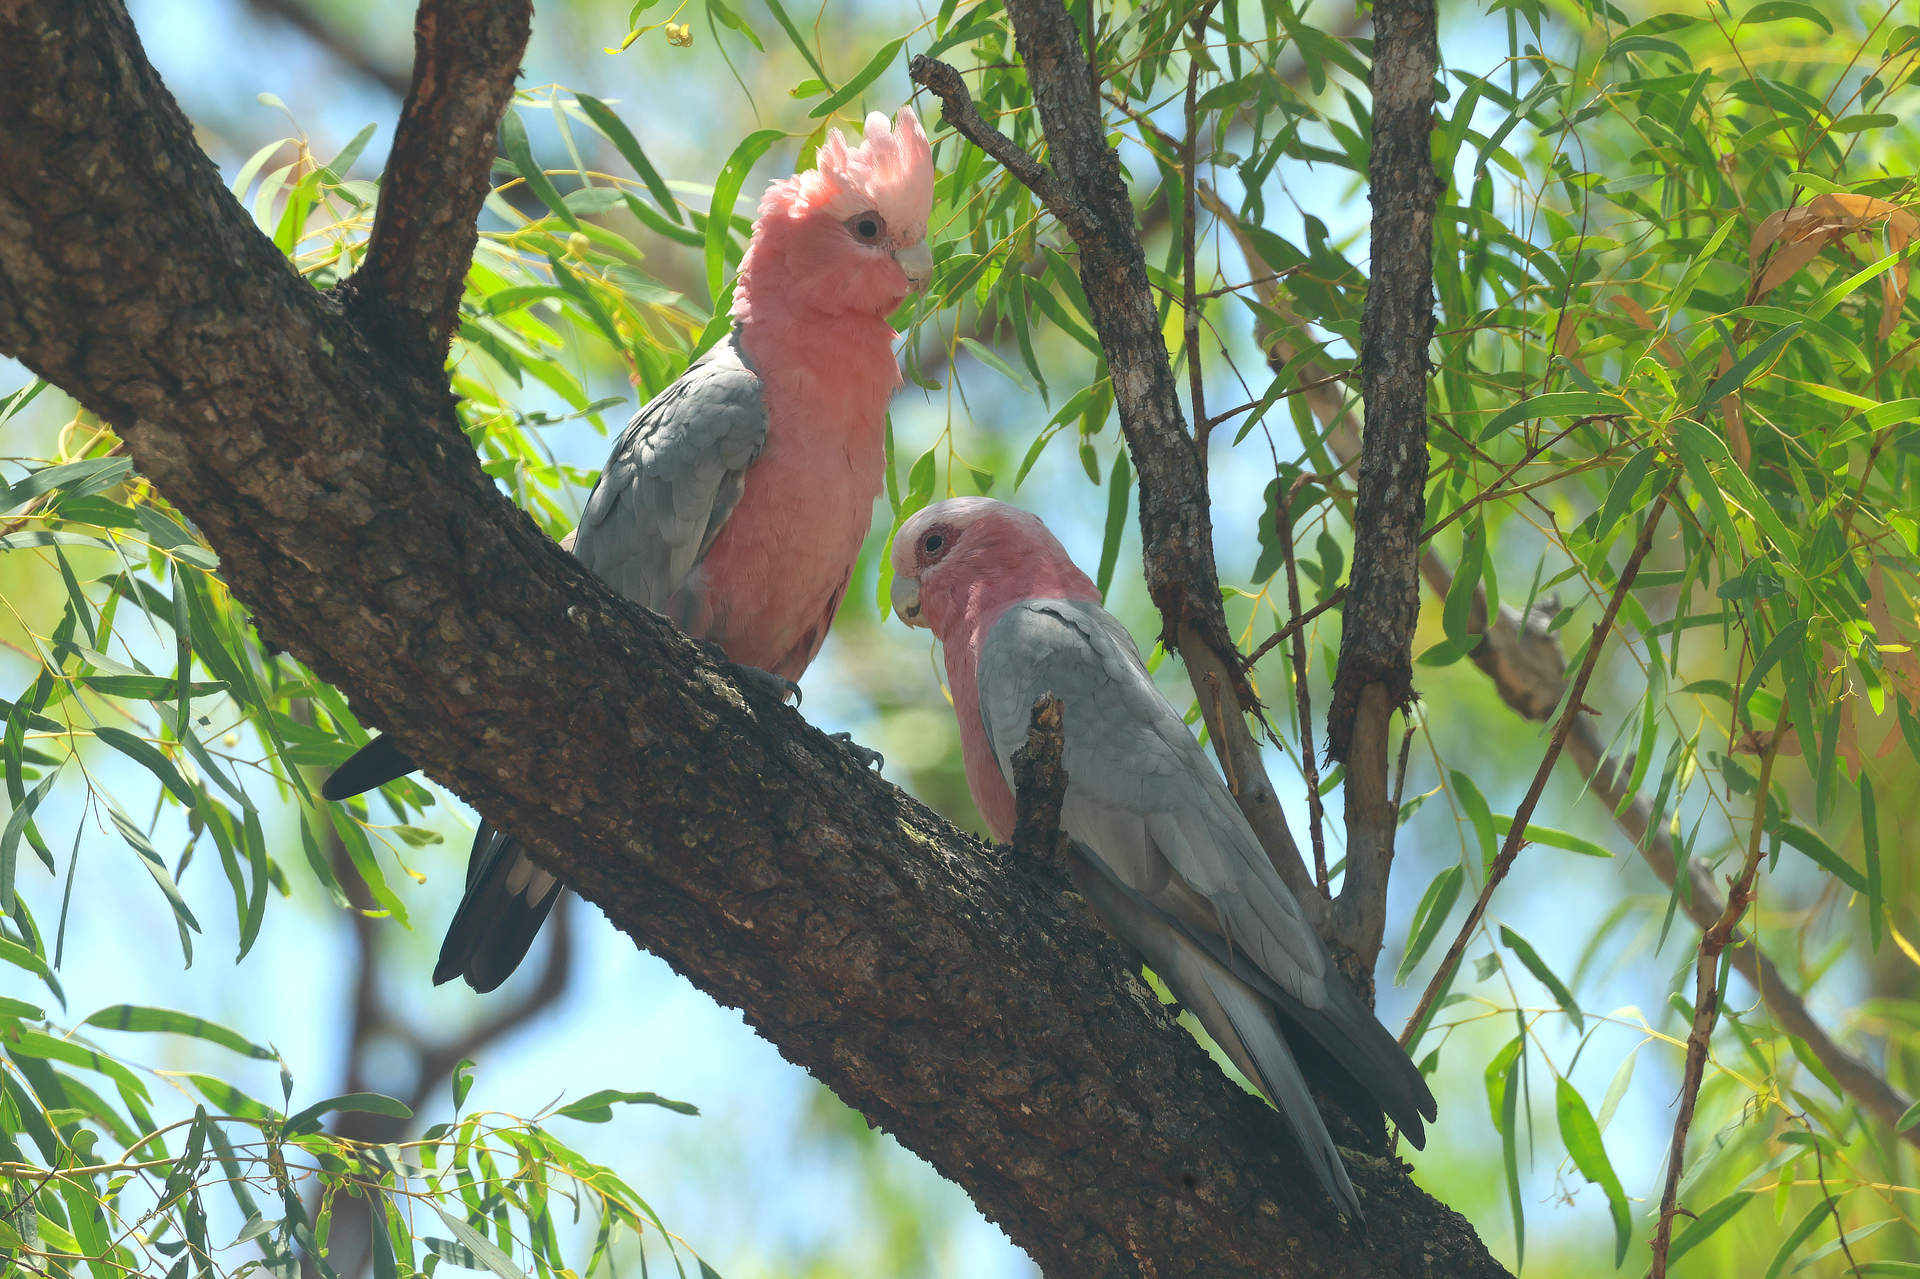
{"points": [[1173, 868], [673, 478]]}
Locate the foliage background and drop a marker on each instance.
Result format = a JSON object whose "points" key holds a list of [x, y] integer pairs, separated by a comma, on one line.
{"points": [[776, 1177]]}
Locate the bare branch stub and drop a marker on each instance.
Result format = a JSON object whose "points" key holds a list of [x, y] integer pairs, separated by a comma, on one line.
{"points": [[1040, 787], [1383, 590], [407, 290]]}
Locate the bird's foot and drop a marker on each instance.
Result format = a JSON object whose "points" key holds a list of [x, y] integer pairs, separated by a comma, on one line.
{"points": [[868, 757], [775, 686]]}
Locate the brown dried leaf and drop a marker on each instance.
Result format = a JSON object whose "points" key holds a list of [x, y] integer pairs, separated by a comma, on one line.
{"points": [[1638, 314], [1785, 264]]}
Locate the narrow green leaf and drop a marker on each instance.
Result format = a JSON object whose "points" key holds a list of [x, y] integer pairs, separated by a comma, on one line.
{"points": [[1822, 853], [513, 138], [1457, 613], [991, 358], [628, 146], [1119, 491], [133, 1017], [1909, 1119], [10, 840], [1791, 636], [1582, 1136], [726, 189], [1799, 1235], [864, 77], [1431, 913], [793, 34], [1620, 496], [148, 756], [157, 868], [1706, 1223], [1560, 404], [1547, 835], [1870, 840], [1545, 976], [462, 1081], [481, 1247], [598, 1107], [1478, 814], [364, 1103], [1736, 377]]}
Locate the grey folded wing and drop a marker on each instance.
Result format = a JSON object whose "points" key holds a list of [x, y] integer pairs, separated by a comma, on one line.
{"points": [[674, 477], [1141, 794]]}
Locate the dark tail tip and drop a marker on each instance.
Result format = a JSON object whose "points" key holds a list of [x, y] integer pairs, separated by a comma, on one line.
{"points": [[375, 764]]}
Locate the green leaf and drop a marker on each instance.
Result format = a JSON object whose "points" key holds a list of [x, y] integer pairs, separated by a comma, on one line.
{"points": [[513, 138], [726, 189], [132, 1017], [481, 1247], [598, 1107], [72, 479], [1799, 1235], [1427, 918], [1478, 814], [10, 840], [1589, 1153], [20, 1008], [1909, 1118], [137, 840], [1119, 490], [1457, 613], [628, 146], [1791, 636], [1620, 496], [1560, 404], [991, 358], [1821, 852], [1545, 976], [336, 169], [363, 1103], [793, 34], [1736, 377], [462, 1080], [1707, 1222], [1781, 10], [864, 77], [148, 756], [1550, 837]]}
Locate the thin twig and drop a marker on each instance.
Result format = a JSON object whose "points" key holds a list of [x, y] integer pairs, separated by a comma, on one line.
{"points": [[1310, 771], [1516, 835], [1293, 628], [1706, 1010]]}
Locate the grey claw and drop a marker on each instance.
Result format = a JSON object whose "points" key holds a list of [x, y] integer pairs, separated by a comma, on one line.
{"points": [[775, 686], [868, 757]]}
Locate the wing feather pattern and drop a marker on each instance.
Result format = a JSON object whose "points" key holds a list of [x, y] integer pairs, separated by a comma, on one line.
{"points": [[1173, 868]]}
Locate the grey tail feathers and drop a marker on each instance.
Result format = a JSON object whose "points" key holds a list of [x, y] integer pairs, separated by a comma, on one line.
{"points": [[506, 901], [375, 764]]}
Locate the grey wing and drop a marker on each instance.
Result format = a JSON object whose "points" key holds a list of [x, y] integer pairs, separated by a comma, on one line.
{"points": [[1141, 794], [674, 477]]}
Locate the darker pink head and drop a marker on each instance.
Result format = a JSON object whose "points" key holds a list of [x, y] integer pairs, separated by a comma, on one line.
{"points": [[961, 563], [848, 236]]}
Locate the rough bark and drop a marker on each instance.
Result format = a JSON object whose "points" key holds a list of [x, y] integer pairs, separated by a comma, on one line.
{"points": [[1383, 590], [979, 1016]]}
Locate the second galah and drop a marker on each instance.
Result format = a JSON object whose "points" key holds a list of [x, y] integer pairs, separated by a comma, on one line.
{"points": [[1159, 848], [736, 500]]}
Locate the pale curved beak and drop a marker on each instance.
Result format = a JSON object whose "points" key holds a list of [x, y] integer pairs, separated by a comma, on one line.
{"points": [[917, 261], [906, 601]]}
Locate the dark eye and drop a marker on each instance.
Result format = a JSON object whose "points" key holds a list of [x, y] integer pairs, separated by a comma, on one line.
{"points": [[935, 542], [868, 227]]}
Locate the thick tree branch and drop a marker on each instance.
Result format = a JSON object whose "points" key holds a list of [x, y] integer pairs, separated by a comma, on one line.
{"points": [[407, 290], [985, 1022], [1375, 674]]}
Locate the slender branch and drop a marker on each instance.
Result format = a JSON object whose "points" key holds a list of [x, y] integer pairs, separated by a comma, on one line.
{"points": [[407, 290], [1516, 836], [1706, 1011], [1294, 627], [1310, 770]]}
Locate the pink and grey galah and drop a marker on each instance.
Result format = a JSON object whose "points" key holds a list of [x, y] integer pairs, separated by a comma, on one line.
{"points": [[736, 500], [1159, 848]]}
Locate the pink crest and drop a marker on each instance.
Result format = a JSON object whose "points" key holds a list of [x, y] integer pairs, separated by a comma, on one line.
{"points": [[890, 172]]}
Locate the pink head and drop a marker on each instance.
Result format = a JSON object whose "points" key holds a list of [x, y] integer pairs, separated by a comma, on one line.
{"points": [[849, 236], [961, 563]]}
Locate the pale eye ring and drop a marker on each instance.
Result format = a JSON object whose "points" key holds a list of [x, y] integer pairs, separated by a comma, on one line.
{"points": [[868, 227], [934, 542]]}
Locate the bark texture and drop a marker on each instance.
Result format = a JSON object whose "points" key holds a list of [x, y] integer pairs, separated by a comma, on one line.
{"points": [[977, 1014], [1383, 591]]}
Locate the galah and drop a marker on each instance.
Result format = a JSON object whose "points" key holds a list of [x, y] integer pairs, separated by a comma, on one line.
{"points": [[737, 498], [1159, 848]]}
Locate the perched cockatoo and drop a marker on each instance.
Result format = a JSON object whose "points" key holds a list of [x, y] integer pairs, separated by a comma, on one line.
{"points": [[736, 500], [1160, 850]]}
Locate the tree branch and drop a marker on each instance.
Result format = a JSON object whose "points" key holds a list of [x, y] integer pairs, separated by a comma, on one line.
{"points": [[991, 1028], [407, 290]]}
